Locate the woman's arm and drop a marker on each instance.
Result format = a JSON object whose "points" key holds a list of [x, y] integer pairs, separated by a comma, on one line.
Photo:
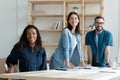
{"points": [[11, 68], [12, 59], [68, 64], [82, 63]]}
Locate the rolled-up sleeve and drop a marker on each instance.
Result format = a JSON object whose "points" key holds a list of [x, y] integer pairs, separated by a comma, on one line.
{"points": [[65, 43], [13, 57], [109, 39]]}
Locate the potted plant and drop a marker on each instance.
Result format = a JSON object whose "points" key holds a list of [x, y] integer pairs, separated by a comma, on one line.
{"points": [[75, 8]]}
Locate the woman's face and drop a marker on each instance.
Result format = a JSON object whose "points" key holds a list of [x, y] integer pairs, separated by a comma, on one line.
{"points": [[31, 35], [73, 20]]}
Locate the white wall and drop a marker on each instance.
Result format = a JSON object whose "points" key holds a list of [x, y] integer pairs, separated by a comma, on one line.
{"points": [[8, 26], [119, 35], [22, 15], [13, 19], [111, 20]]}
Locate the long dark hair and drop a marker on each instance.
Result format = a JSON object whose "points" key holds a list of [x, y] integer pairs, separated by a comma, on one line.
{"points": [[23, 39], [77, 30]]}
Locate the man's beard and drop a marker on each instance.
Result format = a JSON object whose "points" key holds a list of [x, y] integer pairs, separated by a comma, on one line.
{"points": [[99, 29]]}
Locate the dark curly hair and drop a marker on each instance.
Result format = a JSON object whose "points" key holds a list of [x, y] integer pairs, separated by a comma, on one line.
{"points": [[23, 39]]}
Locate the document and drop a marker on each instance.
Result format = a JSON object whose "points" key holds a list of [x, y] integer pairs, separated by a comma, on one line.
{"points": [[91, 69], [109, 70]]}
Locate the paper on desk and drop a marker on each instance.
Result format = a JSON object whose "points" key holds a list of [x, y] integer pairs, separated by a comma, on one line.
{"points": [[109, 70], [85, 70], [93, 70], [98, 69]]}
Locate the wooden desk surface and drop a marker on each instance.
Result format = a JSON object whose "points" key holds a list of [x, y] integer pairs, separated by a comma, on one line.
{"points": [[61, 75]]}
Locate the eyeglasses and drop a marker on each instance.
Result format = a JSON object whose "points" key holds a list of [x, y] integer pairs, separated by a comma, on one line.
{"points": [[99, 23]]}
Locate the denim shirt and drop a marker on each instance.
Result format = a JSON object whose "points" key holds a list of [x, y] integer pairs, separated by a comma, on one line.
{"points": [[65, 49], [104, 39], [28, 60]]}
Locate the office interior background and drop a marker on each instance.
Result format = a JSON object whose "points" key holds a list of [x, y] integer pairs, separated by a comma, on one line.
{"points": [[14, 17]]}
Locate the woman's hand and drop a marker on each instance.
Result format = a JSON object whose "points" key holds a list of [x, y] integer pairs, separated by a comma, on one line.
{"points": [[82, 63], [87, 65], [11, 68], [69, 65]]}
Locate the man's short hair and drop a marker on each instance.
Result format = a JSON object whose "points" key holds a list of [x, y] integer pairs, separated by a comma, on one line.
{"points": [[98, 17]]}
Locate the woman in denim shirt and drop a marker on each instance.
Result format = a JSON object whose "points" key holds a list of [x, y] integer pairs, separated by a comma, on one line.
{"points": [[69, 52], [29, 52]]}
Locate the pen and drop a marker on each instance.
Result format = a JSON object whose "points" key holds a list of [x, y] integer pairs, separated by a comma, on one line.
{"points": [[87, 68], [84, 68]]}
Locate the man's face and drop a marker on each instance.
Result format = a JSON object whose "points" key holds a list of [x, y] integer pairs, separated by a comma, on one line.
{"points": [[99, 24]]}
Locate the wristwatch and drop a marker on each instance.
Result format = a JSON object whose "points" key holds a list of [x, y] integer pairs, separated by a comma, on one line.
{"points": [[107, 64]]}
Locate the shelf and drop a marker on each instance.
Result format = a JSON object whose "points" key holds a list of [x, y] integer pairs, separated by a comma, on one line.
{"points": [[91, 15], [92, 1], [61, 1], [45, 15], [49, 44], [51, 30], [46, 2], [87, 30], [55, 1], [78, 14], [73, 1]]}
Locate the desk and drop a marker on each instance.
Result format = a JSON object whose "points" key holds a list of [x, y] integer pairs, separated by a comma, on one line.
{"points": [[62, 75]]}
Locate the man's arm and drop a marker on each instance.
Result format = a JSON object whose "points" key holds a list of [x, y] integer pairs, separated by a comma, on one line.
{"points": [[107, 53], [89, 52]]}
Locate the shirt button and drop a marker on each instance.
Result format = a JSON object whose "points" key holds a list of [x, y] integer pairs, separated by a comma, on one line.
{"points": [[35, 67]]}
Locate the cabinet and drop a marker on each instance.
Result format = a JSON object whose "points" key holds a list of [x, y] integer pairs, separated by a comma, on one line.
{"points": [[50, 17]]}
